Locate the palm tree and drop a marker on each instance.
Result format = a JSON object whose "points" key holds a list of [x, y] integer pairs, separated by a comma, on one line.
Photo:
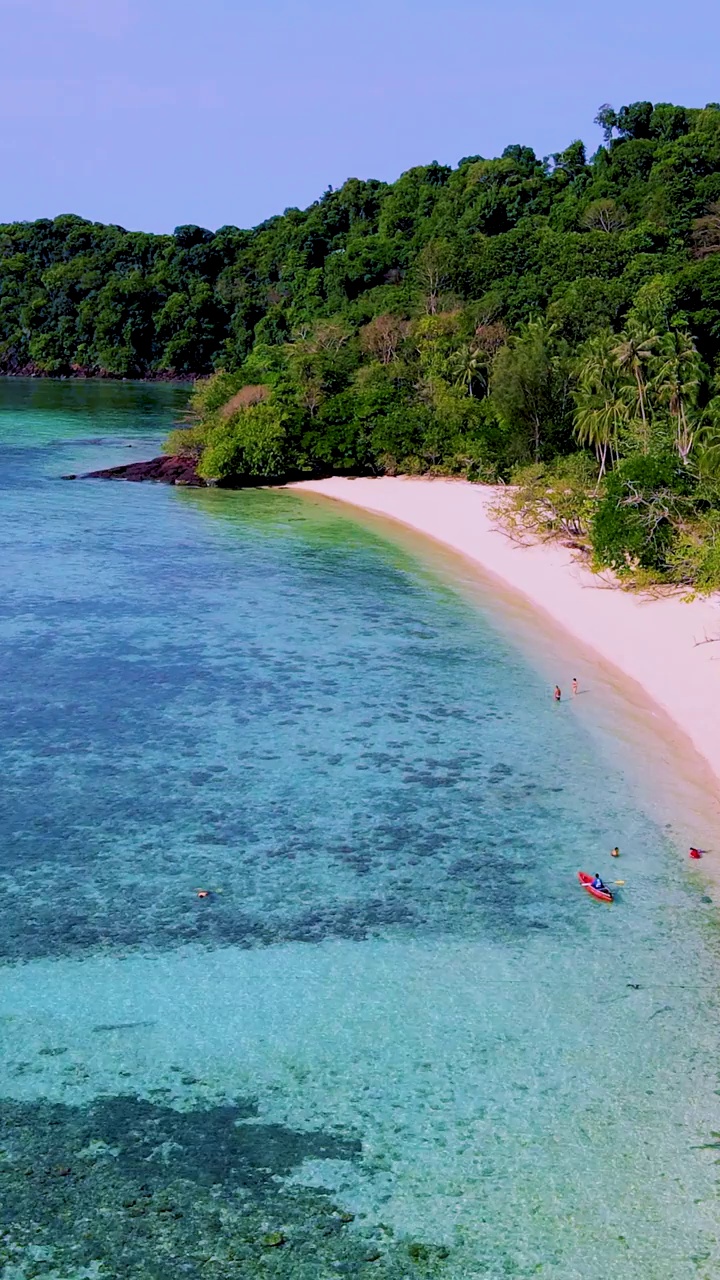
{"points": [[633, 351], [707, 437], [593, 425], [676, 385], [468, 365], [599, 405], [708, 440]]}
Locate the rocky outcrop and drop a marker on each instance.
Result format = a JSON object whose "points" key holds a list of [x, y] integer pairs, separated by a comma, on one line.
{"points": [[14, 366], [180, 469]]}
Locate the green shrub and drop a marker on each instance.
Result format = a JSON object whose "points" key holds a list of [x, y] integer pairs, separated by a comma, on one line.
{"points": [[186, 440], [551, 499], [635, 523], [250, 444], [694, 559]]}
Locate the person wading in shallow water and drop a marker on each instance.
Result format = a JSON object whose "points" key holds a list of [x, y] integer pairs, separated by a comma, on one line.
{"points": [[575, 685], [558, 693]]}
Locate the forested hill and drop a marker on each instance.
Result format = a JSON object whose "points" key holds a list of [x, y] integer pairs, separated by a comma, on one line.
{"points": [[555, 322], [504, 240]]}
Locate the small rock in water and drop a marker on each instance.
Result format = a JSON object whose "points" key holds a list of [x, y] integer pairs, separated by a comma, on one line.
{"points": [[273, 1240]]}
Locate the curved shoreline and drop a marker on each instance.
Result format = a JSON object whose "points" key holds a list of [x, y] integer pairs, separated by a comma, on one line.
{"points": [[655, 642]]}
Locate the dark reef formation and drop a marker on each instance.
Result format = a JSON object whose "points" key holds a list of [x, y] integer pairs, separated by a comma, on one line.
{"points": [[134, 1189]]}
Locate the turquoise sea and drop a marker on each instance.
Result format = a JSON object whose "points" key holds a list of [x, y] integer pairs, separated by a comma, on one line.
{"points": [[396, 1040]]}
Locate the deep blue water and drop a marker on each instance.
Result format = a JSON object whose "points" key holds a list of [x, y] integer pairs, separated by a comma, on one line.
{"points": [[386, 992]]}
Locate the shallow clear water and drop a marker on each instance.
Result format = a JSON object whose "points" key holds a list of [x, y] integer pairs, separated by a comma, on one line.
{"points": [[396, 1003]]}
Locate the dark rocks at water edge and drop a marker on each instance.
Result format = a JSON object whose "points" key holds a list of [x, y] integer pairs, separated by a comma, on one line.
{"points": [[13, 366], [178, 469]]}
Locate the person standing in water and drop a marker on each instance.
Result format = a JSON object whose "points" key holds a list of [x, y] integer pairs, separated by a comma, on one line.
{"points": [[575, 685], [558, 693]]}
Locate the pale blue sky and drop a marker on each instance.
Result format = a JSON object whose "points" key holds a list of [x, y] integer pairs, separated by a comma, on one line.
{"points": [[152, 113]]}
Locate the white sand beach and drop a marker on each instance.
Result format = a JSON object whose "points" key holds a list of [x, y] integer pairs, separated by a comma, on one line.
{"points": [[656, 642]]}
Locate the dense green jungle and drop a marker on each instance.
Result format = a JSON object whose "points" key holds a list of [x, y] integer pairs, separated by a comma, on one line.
{"points": [[554, 323]]}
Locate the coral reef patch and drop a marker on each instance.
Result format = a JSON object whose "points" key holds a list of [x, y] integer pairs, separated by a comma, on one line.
{"points": [[138, 1191]]}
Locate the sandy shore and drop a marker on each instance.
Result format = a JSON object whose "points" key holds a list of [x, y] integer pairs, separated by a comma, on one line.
{"points": [[654, 642]]}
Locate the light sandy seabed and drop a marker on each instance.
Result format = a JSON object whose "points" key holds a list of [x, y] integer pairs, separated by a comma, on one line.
{"points": [[656, 642]]}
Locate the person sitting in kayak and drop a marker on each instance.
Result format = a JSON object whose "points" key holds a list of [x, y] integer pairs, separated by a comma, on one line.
{"points": [[598, 884]]}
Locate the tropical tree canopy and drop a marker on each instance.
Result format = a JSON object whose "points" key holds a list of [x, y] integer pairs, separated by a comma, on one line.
{"points": [[477, 320]]}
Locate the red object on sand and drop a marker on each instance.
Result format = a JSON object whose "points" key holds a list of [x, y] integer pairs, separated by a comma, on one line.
{"points": [[696, 853], [587, 883]]}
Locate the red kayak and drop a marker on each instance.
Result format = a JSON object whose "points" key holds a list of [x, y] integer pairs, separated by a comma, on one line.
{"points": [[587, 883]]}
